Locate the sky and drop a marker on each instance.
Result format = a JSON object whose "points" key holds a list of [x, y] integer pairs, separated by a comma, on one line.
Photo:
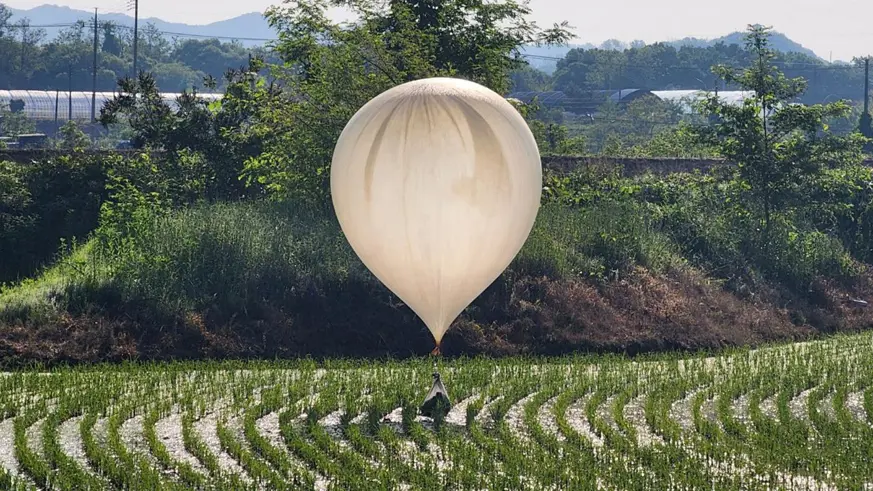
{"points": [[837, 29]]}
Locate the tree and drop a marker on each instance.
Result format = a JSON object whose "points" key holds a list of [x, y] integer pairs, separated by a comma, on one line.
{"points": [[332, 70], [30, 38], [111, 42], [5, 15], [778, 146], [14, 123], [72, 137], [205, 141], [210, 55]]}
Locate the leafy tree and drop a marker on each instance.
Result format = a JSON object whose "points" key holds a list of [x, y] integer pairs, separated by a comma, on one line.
{"points": [[527, 78], [619, 127], [778, 146], [210, 55], [680, 141], [14, 123], [661, 66], [111, 42], [5, 15], [72, 137], [210, 140], [332, 70], [30, 38]]}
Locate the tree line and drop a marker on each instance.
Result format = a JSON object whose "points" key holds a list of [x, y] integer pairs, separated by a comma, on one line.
{"points": [[661, 66], [28, 60], [175, 235]]}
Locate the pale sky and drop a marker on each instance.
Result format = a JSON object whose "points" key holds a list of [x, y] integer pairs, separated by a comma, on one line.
{"points": [[841, 28]]}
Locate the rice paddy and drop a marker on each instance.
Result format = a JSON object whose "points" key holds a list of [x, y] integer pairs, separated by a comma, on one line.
{"points": [[784, 417]]}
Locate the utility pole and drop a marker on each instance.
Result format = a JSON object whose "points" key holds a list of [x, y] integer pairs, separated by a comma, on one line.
{"points": [[23, 42], [865, 125], [70, 91], [867, 85], [94, 74], [135, 36]]}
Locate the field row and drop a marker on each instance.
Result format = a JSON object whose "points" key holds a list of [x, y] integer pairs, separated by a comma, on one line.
{"points": [[792, 417]]}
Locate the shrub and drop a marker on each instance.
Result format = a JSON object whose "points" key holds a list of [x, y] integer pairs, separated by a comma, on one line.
{"points": [[43, 203]]}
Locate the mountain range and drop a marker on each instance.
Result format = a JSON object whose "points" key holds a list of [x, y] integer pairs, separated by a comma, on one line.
{"points": [[252, 29]]}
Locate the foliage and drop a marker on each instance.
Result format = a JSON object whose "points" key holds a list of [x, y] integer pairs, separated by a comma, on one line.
{"points": [[659, 66], [677, 142], [64, 62], [5, 15], [73, 138], [332, 70], [207, 142], [552, 138], [14, 123], [777, 146], [41, 205]]}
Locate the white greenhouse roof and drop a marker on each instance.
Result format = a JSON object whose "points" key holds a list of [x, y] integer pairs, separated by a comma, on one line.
{"points": [[40, 104]]}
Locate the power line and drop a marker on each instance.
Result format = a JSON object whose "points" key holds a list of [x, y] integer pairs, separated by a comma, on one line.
{"points": [[122, 26], [203, 36]]}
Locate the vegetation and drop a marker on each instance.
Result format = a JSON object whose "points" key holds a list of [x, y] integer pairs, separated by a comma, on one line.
{"points": [[216, 237], [29, 61], [661, 67], [740, 420]]}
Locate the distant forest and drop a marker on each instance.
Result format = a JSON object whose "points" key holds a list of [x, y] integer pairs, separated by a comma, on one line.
{"points": [[662, 66], [29, 60]]}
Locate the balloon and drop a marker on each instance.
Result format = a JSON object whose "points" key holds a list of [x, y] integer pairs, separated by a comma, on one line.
{"points": [[436, 184]]}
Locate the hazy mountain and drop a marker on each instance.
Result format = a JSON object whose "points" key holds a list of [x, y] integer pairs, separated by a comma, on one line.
{"points": [[254, 26], [778, 41], [540, 56], [251, 25]]}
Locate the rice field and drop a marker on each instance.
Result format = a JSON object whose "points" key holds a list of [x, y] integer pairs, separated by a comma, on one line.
{"points": [[784, 417]]}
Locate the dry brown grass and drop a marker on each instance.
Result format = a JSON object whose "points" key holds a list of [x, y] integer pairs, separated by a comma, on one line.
{"points": [[642, 312]]}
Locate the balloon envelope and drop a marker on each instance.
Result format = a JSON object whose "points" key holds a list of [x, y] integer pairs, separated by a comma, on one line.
{"points": [[436, 184]]}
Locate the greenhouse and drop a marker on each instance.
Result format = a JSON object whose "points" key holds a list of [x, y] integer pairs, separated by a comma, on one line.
{"points": [[44, 105]]}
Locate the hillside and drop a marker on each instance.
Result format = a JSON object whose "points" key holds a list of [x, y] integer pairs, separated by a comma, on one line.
{"points": [[779, 41], [249, 28], [541, 54]]}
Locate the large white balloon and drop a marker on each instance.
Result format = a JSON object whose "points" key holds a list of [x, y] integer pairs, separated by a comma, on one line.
{"points": [[436, 184]]}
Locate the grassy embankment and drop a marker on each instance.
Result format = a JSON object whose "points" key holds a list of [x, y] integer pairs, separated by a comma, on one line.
{"points": [[274, 280]]}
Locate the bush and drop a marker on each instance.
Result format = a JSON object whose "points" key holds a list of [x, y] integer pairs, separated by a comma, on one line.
{"points": [[42, 204], [232, 256]]}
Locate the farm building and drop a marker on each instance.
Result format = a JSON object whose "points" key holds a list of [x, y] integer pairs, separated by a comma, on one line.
{"points": [[43, 105]]}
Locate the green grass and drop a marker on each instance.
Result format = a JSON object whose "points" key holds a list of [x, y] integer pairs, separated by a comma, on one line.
{"points": [[242, 256], [44, 296], [716, 442]]}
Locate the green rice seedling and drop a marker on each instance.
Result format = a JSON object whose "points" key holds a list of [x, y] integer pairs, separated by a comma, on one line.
{"points": [[780, 417]]}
